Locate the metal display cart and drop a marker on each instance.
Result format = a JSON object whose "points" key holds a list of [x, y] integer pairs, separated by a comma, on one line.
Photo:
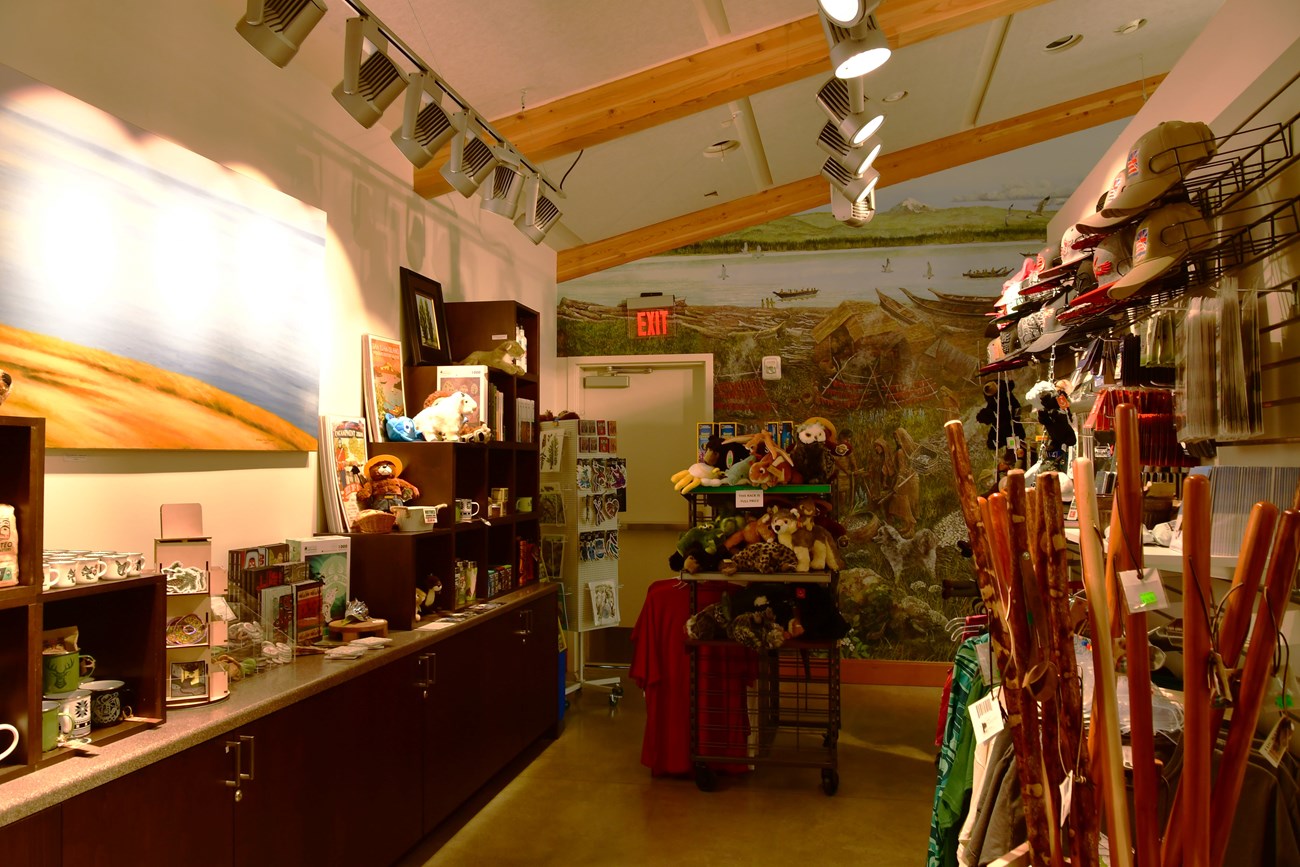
{"points": [[791, 713]]}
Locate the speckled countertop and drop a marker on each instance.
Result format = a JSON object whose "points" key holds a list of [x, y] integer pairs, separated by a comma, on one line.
{"points": [[266, 693]]}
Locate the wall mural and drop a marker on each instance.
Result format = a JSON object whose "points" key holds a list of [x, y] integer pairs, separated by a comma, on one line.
{"points": [[150, 298], [880, 330]]}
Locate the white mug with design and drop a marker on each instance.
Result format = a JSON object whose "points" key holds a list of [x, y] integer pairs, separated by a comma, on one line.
{"points": [[90, 569]]}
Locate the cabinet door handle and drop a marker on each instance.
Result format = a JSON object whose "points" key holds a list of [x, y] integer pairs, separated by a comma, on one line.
{"points": [[236, 747], [252, 756]]}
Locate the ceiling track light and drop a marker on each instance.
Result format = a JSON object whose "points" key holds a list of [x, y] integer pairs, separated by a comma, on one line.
{"points": [[426, 127], [502, 195], [857, 159], [370, 83], [277, 28], [845, 103], [855, 214], [471, 159], [855, 49], [846, 13], [854, 187], [540, 211]]}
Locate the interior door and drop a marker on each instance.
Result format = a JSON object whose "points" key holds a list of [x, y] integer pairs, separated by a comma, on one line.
{"points": [[656, 413]]}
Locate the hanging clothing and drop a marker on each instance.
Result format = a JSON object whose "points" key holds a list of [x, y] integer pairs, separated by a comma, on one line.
{"points": [[966, 678], [661, 667]]}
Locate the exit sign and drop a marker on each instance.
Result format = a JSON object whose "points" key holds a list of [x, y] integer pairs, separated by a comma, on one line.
{"points": [[649, 316]]}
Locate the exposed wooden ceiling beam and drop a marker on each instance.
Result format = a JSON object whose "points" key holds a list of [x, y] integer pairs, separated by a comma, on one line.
{"points": [[914, 162], [707, 79]]}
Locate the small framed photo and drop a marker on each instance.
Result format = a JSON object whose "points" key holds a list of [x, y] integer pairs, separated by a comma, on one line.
{"points": [[188, 679], [424, 321]]}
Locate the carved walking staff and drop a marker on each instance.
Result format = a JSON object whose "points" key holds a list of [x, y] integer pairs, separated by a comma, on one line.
{"points": [[1105, 718], [1197, 610]]}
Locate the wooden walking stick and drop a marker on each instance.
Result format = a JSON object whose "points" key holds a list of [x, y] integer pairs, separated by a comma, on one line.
{"points": [[1254, 680], [1197, 610], [1240, 603], [1126, 555], [1055, 567], [1105, 719], [1022, 709]]}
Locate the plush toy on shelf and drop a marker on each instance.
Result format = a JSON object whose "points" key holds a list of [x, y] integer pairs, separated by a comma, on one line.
{"points": [[687, 480], [1053, 402], [382, 488], [444, 416], [815, 450], [506, 356], [400, 429], [1001, 413]]}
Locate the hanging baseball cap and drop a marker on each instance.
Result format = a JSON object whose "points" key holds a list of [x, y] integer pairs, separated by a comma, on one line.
{"points": [[1099, 222], [1112, 259], [1075, 247], [1163, 239], [1161, 158]]}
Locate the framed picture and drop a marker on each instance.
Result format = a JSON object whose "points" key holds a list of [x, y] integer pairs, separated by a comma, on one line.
{"points": [[425, 325], [189, 679]]}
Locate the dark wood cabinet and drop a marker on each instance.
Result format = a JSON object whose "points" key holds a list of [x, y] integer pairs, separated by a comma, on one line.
{"points": [[35, 841]]}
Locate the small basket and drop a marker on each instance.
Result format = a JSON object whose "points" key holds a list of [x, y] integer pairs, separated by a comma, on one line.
{"points": [[373, 521]]}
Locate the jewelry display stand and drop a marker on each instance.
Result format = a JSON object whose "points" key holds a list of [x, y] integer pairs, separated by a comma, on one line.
{"points": [[184, 555]]}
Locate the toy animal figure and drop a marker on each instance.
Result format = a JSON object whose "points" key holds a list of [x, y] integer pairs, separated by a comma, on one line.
{"points": [[754, 530], [1001, 413], [812, 453], [816, 511], [444, 416], [382, 489], [479, 433], [399, 429], [823, 552], [766, 557], [695, 475], [506, 356], [786, 527]]}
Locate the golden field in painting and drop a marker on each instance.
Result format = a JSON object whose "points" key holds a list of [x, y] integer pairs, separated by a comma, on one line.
{"points": [[97, 400]]}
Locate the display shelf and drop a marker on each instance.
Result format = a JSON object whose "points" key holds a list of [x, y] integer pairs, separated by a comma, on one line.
{"points": [[818, 577], [22, 485], [775, 489], [57, 594]]}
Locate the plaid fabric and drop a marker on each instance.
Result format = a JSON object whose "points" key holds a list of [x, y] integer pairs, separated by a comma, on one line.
{"points": [[966, 677]]}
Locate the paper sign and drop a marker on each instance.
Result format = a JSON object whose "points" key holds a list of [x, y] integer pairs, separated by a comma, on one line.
{"points": [[986, 716], [1143, 592], [749, 499], [1067, 792]]}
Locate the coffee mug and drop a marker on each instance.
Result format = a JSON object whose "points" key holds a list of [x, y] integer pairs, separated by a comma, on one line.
{"points": [[466, 509], [61, 573], [524, 504], [136, 561], [496, 510], [76, 704], [120, 566], [54, 722], [105, 701], [62, 671], [500, 495], [6, 727], [90, 569]]}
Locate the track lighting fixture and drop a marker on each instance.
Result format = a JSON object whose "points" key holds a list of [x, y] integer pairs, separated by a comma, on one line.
{"points": [[845, 102], [855, 214], [540, 211], [471, 159], [277, 28], [854, 187], [857, 44], [425, 125], [369, 84], [502, 194], [856, 159]]}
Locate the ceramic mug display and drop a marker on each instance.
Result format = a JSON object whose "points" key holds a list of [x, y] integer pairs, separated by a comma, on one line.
{"points": [[524, 504], [54, 722], [13, 745], [135, 561], [76, 704], [119, 566], [105, 701], [466, 509], [90, 569], [61, 573], [61, 671]]}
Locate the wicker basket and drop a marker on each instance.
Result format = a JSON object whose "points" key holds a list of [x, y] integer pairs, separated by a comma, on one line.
{"points": [[373, 521]]}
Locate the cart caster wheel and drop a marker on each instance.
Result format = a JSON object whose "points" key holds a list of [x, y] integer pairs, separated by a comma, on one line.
{"points": [[830, 781], [705, 778]]}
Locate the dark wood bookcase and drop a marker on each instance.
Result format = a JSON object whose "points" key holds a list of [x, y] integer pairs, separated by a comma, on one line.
{"points": [[387, 568]]}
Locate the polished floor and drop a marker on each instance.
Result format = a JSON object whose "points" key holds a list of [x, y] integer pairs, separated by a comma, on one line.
{"points": [[585, 799]]}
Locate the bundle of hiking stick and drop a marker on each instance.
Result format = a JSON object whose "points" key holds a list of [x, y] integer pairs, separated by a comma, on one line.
{"points": [[1022, 567]]}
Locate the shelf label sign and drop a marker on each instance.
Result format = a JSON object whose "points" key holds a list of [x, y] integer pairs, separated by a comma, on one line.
{"points": [[749, 499]]}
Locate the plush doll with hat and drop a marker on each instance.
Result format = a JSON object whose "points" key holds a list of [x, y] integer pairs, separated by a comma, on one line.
{"points": [[813, 451], [1000, 412], [1048, 397], [382, 489]]}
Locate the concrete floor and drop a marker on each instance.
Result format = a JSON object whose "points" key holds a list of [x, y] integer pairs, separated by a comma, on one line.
{"points": [[586, 799]]}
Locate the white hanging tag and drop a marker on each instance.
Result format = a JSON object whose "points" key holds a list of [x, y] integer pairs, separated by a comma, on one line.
{"points": [[1143, 592], [986, 716], [1067, 792], [984, 653], [1278, 741]]}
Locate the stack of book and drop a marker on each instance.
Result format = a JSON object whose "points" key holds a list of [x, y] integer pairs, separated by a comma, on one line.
{"points": [[525, 420], [341, 454]]}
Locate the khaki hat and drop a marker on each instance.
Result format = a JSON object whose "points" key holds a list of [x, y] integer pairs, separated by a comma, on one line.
{"points": [[1161, 158], [384, 459], [1099, 221], [1112, 259], [1164, 238]]}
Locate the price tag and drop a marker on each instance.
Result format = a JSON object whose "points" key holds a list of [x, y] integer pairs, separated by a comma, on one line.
{"points": [[984, 654], [1143, 592], [749, 499], [1278, 741], [986, 716], [1067, 792]]}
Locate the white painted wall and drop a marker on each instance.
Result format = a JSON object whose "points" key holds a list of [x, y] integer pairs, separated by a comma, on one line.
{"points": [[178, 69]]}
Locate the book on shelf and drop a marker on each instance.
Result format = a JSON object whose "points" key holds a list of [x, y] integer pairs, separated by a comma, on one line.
{"points": [[381, 382], [277, 612], [308, 616], [472, 379], [497, 415], [525, 420], [341, 455]]}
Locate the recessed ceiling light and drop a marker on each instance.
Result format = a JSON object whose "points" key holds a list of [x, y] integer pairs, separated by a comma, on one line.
{"points": [[895, 96], [1063, 42], [721, 148], [1131, 26]]}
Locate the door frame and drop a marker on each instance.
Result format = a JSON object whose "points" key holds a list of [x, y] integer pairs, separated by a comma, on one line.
{"points": [[577, 365]]}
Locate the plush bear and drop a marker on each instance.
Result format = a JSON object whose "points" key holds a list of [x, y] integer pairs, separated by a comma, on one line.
{"points": [[1053, 416], [813, 453], [1000, 412], [382, 489]]}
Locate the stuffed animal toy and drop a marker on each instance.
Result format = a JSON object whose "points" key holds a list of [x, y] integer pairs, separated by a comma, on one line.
{"points": [[695, 475], [786, 526], [755, 529], [382, 489], [724, 453], [814, 511], [738, 473], [506, 356], [1000, 413], [813, 453], [444, 416], [1055, 419], [758, 630], [823, 552], [475, 433], [400, 429], [767, 557], [710, 622], [699, 549]]}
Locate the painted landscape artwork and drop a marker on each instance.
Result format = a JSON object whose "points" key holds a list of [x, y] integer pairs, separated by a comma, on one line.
{"points": [[879, 329], [152, 299]]}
